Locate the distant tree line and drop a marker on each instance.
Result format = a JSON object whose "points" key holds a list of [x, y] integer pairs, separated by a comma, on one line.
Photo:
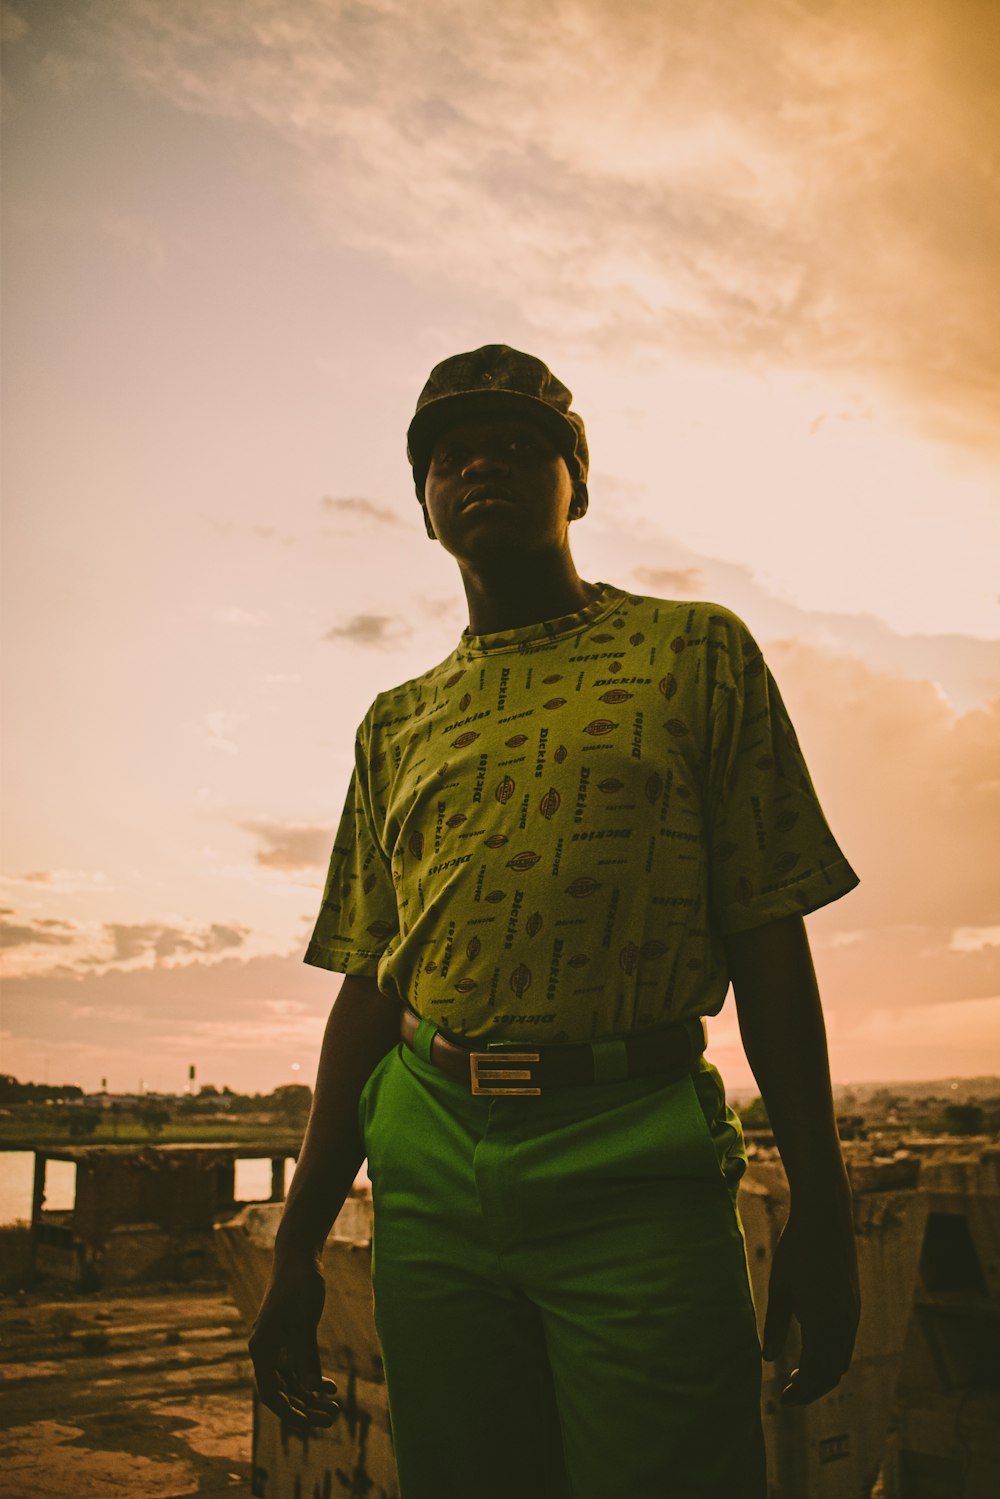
{"points": [[81, 1116], [11, 1091]]}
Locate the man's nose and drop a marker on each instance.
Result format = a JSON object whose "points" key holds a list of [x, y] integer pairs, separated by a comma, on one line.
{"points": [[485, 461]]}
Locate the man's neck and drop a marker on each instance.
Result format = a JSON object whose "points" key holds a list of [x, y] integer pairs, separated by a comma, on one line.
{"points": [[510, 598]]}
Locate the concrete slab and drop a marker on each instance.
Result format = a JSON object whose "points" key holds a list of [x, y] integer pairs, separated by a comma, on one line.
{"points": [[146, 1396]]}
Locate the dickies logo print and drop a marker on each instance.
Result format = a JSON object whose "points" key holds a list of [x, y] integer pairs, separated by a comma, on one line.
{"points": [[520, 979], [575, 853]]}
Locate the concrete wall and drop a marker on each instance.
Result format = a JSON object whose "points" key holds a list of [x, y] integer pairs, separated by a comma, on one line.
{"points": [[895, 1407]]}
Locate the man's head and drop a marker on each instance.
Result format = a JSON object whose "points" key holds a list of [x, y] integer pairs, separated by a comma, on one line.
{"points": [[497, 387]]}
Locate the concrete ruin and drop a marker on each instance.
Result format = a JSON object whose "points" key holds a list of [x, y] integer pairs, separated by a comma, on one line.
{"points": [[141, 1213], [917, 1416]]}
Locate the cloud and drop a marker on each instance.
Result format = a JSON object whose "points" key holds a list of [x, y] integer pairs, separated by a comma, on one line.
{"points": [[240, 1021], [369, 630], [797, 186], [912, 793], [291, 846], [974, 938], [676, 582], [136, 940], [61, 881], [46, 932], [89, 947], [366, 509]]}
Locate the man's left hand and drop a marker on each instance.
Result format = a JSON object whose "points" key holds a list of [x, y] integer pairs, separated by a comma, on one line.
{"points": [[814, 1277]]}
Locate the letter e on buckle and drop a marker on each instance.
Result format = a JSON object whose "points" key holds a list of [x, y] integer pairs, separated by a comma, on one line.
{"points": [[495, 1066]]}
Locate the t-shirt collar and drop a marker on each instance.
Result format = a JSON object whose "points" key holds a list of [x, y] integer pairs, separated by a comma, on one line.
{"points": [[542, 631]]}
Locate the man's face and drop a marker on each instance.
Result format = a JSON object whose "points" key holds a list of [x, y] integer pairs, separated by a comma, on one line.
{"points": [[497, 487]]}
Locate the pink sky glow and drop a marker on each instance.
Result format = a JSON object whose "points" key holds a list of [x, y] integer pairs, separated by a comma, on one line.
{"points": [[759, 243]]}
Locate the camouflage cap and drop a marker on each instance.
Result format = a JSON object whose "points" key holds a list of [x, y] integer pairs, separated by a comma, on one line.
{"points": [[494, 381]]}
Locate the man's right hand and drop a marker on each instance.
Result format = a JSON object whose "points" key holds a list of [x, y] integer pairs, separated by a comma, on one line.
{"points": [[284, 1349], [363, 1026]]}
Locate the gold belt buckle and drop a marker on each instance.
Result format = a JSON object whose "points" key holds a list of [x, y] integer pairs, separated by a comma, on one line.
{"points": [[492, 1066]]}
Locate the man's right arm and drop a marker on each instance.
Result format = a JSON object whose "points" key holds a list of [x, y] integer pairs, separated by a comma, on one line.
{"points": [[363, 1026]]}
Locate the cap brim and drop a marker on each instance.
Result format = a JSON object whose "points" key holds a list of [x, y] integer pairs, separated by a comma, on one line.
{"points": [[478, 405]]}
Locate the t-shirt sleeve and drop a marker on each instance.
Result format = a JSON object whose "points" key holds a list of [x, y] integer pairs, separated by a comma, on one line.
{"points": [[772, 853], [357, 919]]}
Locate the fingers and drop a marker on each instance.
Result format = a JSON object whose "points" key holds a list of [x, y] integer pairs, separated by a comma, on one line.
{"points": [[301, 1402], [825, 1359], [312, 1397], [295, 1406]]}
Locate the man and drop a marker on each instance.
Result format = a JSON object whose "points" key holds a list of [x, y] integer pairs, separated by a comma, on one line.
{"points": [[559, 847]]}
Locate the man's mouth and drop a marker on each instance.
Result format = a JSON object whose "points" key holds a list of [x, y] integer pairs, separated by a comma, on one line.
{"points": [[485, 493]]}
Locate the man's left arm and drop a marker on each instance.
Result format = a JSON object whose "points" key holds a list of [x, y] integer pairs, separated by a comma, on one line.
{"points": [[814, 1276]]}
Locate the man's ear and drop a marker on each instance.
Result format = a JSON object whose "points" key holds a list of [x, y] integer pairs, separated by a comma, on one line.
{"points": [[580, 500]]}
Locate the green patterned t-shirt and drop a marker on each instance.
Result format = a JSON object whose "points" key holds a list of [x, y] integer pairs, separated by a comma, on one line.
{"points": [[547, 836]]}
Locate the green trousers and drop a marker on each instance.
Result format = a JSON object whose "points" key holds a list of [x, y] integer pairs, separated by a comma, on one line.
{"points": [[561, 1288]]}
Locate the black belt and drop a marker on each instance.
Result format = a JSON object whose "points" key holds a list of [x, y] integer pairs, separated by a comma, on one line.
{"points": [[501, 1070]]}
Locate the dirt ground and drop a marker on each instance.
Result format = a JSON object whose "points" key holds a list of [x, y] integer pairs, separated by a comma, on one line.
{"points": [[145, 1396]]}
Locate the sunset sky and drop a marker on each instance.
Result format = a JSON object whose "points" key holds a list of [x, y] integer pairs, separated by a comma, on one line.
{"points": [[760, 242]]}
